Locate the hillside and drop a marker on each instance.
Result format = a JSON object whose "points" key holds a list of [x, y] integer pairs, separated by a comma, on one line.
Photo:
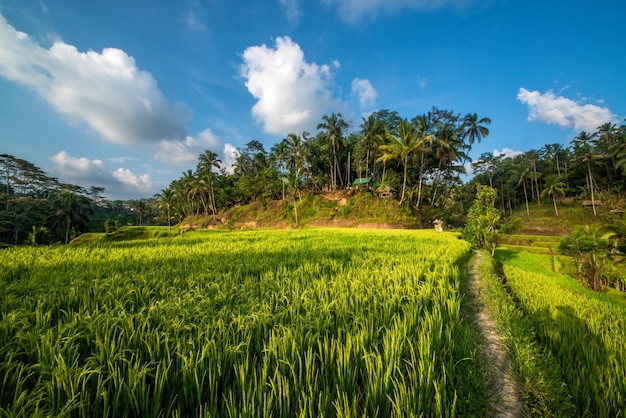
{"points": [[336, 209]]}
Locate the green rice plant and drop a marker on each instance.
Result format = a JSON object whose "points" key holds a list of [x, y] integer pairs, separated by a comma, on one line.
{"points": [[586, 335], [252, 323]]}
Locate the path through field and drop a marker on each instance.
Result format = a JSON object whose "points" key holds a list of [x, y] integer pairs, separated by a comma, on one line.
{"points": [[505, 398]]}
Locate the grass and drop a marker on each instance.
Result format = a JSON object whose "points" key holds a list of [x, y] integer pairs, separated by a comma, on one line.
{"points": [[351, 209], [126, 233], [583, 331], [248, 323]]}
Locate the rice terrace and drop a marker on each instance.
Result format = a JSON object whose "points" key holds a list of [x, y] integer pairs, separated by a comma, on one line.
{"points": [[311, 322]]}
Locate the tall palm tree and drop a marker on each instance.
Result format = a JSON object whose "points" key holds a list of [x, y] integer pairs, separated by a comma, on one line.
{"points": [[423, 126], [279, 153], [165, 201], [474, 130], [372, 130], [449, 148], [584, 153], [401, 147], [519, 174], [553, 187], [295, 161], [333, 125]]}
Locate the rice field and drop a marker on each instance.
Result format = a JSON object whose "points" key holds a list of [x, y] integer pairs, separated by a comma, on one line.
{"points": [[306, 323], [583, 331]]}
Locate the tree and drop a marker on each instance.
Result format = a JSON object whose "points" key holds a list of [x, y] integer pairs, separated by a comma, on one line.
{"points": [[279, 153], [474, 130], [553, 187], [70, 212], [481, 228], [165, 202], [585, 154], [333, 127], [401, 147], [373, 130], [588, 246]]}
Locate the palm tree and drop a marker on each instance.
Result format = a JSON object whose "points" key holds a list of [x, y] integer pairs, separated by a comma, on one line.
{"points": [[423, 126], [474, 130], [70, 211], [585, 154], [372, 130], [553, 187], [448, 147], [401, 147], [279, 153], [334, 126], [166, 199], [295, 160], [519, 174], [532, 157]]}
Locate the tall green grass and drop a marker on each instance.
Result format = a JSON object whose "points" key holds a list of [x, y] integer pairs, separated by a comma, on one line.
{"points": [[585, 333], [255, 323]]}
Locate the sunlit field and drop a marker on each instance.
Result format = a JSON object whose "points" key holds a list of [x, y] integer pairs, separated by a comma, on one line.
{"points": [[584, 332], [248, 323]]}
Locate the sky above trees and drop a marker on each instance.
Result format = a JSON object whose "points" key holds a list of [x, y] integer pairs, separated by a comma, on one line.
{"points": [[127, 95]]}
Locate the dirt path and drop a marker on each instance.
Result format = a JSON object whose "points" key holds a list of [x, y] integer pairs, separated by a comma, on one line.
{"points": [[505, 399]]}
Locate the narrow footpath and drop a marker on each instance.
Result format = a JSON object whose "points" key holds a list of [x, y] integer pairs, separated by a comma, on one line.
{"points": [[505, 395]]}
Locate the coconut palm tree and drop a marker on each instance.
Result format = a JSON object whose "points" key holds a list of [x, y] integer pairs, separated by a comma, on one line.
{"points": [[584, 154], [402, 146], [372, 130], [333, 125], [474, 130], [165, 201], [553, 187], [279, 153]]}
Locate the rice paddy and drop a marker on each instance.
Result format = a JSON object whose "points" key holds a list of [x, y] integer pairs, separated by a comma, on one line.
{"points": [[306, 323]]}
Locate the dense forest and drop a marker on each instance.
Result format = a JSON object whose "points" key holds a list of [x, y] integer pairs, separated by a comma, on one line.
{"points": [[421, 160]]}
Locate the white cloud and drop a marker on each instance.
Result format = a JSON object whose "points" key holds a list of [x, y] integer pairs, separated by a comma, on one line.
{"points": [[564, 112], [353, 11], [507, 152], [229, 157], [106, 90], [291, 94], [122, 183], [127, 177], [363, 89], [186, 153], [292, 10]]}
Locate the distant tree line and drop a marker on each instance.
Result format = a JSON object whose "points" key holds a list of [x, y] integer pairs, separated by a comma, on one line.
{"points": [[36, 208], [422, 159]]}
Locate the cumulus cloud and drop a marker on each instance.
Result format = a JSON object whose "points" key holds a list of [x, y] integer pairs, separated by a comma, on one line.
{"points": [[564, 112], [106, 90], [291, 93], [292, 10], [364, 91], [186, 153], [121, 183], [507, 152], [353, 11]]}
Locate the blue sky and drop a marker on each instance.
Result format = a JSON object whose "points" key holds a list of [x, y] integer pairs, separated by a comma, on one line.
{"points": [[127, 94]]}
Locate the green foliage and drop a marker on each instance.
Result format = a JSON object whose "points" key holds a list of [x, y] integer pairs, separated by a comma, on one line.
{"points": [[111, 226], [588, 246], [482, 220], [255, 323]]}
